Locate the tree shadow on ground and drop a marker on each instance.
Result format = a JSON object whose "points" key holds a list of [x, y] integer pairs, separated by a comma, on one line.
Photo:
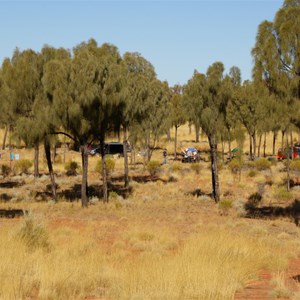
{"points": [[199, 193], [271, 212], [95, 190], [5, 197], [11, 213], [296, 278], [11, 184]]}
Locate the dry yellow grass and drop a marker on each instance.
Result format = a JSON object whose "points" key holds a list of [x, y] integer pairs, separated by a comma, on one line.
{"points": [[161, 242], [71, 262]]}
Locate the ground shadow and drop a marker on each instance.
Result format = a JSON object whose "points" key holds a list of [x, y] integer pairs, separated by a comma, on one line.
{"points": [[296, 278], [10, 184], [95, 190], [5, 197], [11, 213], [270, 212], [199, 193]]}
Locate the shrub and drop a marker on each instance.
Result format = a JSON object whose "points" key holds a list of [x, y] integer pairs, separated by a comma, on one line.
{"points": [[252, 173], [34, 235], [23, 165], [255, 197], [153, 167], [250, 165], [283, 194], [269, 180], [113, 195], [235, 165], [110, 166], [295, 165], [71, 168], [176, 167], [262, 164], [225, 205], [5, 170]]}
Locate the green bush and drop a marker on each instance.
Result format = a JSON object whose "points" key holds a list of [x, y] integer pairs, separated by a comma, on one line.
{"points": [[23, 165], [262, 164], [283, 194], [110, 165], [225, 205], [5, 170], [252, 173], [250, 164], [235, 165], [113, 195], [153, 167], [295, 165], [71, 166]]}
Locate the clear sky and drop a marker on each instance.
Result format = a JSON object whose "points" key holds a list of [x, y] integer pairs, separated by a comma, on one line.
{"points": [[177, 37]]}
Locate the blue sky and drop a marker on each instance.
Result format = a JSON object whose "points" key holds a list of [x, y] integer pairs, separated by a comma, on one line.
{"points": [[177, 37]]}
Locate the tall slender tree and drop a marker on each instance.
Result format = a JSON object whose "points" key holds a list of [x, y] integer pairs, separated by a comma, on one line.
{"points": [[177, 112], [139, 74], [209, 90], [85, 92]]}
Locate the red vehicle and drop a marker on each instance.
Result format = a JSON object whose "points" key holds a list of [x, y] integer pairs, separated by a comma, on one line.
{"points": [[293, 152]]}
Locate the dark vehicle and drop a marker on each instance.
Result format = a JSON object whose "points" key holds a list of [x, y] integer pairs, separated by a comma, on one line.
{"points": [[190, 155], [110, 148]]}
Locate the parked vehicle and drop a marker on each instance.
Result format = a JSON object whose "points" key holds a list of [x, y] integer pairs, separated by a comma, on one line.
{"points": [[190, 155], [110, 148], [293, 152]]}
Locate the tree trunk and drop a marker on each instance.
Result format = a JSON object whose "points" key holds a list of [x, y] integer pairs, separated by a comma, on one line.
{"points": [[133, 160], [36, 160], [65, 148], [291, 135], [282, 139], [175, 142], [50, 168], [214, 168], [119, 136], [10, 147], [104, 173], [126, 175], [288, 185], [84, 183], [251, 151], [274, 142], [168, 135], [254, 145], [259, 145], [148, 155], [54, 152], [223, 146], [197, 129], [190, 128], [4, 137], [265, 143], [229, 144]]}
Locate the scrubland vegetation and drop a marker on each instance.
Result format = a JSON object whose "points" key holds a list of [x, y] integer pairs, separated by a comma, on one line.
{"points": [[165, 239], [132, 227]]}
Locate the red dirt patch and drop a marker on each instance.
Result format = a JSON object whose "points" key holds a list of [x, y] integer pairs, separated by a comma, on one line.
{"points": [[262, 288]]}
